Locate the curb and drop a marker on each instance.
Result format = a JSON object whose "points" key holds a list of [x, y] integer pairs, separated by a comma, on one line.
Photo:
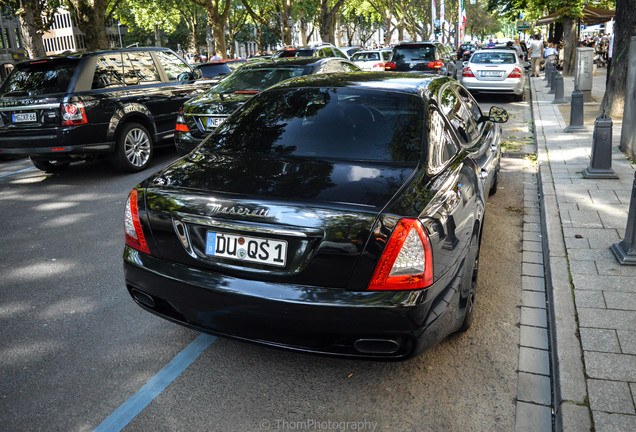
{"points": [[569, 391]]}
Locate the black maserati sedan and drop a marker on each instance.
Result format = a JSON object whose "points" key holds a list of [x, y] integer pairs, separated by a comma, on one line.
{"points": [[335, 214], [203, 113]]}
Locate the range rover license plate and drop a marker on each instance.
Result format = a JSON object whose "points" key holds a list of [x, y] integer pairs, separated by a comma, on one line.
{"points": [[24, 117], [243, 248]]}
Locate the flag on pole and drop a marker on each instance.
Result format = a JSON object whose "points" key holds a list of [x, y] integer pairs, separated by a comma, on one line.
{"points": [[463, 15]]}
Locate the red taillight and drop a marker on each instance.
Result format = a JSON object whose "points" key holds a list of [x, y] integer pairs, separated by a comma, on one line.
{"points": [[516, 73], [73, 114], [378, 66], [468, 73], [437, 64], [390, 66], [407, 260], [181, 125], [247, 91], [134, 233]]}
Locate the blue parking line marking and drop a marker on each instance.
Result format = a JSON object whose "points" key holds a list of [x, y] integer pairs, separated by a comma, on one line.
{"points": [[153, 388], [15, 172]]}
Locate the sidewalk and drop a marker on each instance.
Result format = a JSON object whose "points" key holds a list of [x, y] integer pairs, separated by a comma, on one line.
{"points": [[592, 299]]}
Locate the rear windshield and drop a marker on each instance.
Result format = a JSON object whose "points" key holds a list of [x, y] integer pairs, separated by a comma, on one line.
{"points": [[257, 79], [297, 53], [413, 53], [40, 77], [494, 58], [362, 56], [211, 71], [326, 123]]}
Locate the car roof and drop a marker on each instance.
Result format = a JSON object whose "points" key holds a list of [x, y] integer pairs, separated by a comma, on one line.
{"points": [[496, 50], [386, 81], [289, 61], [79, 55]]}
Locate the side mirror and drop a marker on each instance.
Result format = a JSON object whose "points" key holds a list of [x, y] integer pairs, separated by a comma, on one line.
{"points": [[465, 64], [186, 76], [197, 74], [498, 115]]}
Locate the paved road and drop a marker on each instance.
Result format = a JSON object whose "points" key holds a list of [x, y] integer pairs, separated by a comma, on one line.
{"points": [[74, 347]]}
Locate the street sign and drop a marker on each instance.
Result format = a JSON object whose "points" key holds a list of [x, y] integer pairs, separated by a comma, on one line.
{"points": [[524, 25]]}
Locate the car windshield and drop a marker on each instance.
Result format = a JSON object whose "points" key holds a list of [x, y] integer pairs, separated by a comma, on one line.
{"points": [[494, 58], [414, 52], [39, 77], [256, 79], [368, 56], [326, 123]]}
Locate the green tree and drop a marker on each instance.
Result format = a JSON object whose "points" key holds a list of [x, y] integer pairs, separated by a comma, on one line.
{"points": [[481, 22]]}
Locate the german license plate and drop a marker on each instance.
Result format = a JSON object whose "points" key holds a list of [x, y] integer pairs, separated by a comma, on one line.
{"points": [[491, 73], [243, 248], [214, 122], [24, 117]]}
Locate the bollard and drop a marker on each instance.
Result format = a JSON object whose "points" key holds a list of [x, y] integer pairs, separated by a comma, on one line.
{"points": [[553, 81], [548, 67], [625, 251], [576, 111], [601, 164], [558, 90]]}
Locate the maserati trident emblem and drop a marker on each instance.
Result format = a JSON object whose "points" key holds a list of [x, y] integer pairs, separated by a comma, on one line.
{"points": [[218, 108]]}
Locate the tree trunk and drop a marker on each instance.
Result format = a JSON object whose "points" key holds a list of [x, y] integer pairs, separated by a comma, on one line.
{"points": [[338, 33], [157, 33], [570, 43], [218, 30], [327, 19], [29, 28], [624, 29], [91, 20]]}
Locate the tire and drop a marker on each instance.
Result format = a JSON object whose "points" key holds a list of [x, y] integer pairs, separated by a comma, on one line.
{"points": [[50, 166], [519, 97], [134, 148], [493, 186], [470, 277]]}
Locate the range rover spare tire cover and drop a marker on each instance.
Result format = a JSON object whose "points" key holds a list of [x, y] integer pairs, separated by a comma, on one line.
{"points": [[134, 148]]}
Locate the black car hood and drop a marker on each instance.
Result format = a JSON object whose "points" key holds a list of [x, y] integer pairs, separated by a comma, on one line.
{"points": [[353, 182]]}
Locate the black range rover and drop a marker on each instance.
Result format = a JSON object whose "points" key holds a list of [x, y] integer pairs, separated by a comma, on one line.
{"points": [[119, 103]]}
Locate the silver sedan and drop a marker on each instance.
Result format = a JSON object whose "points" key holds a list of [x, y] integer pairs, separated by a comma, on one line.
{"points": [[495, 71]]}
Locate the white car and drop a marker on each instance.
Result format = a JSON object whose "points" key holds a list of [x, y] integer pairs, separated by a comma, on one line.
{"points": [[495, 71], [371, 60]]}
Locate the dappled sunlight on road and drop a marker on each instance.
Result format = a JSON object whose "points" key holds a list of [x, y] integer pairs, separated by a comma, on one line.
{"points": [[39, 271]]}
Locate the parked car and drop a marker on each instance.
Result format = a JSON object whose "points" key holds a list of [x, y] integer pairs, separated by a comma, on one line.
{"points": [[371, 60], [495, 71], [465, 50], [338, 214], [321, 50], [421, 57], [215, 70], [349, 50], [117, 103], [202, 114]]}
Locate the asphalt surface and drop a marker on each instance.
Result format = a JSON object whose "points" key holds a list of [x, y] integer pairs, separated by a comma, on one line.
{"points": [[74, 347]]}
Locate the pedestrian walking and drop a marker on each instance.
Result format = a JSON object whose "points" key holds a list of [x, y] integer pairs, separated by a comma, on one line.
{"points": [[536, 55]]}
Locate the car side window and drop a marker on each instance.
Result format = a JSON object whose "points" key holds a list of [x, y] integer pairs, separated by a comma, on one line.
{"points": [[348, 67], [331, 67], [442, 147], [458, 115], [472, 107], [108, 72], [172, 65], [339, 53], [145, 67], [131, 78]]}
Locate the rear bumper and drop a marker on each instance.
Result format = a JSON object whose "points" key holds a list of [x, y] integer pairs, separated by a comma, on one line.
{"points": [[301, 318], [508, 86], [185, 142], [53, 143]]}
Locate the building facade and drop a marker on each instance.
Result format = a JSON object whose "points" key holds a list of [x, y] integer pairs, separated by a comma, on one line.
{"points": [[11, 44]]}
